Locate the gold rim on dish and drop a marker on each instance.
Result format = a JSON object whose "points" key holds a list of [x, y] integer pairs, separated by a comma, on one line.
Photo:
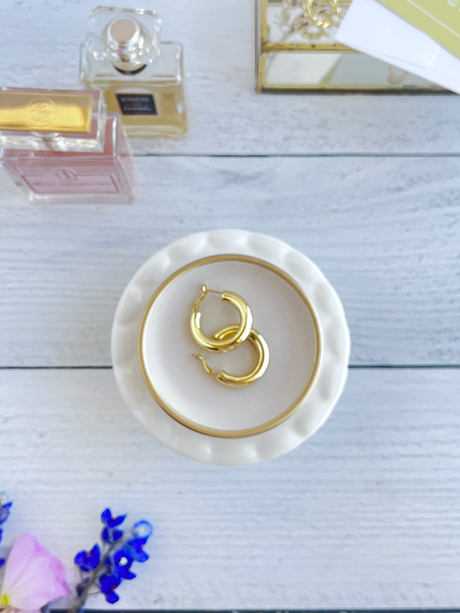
{"points": [[188, 423]]}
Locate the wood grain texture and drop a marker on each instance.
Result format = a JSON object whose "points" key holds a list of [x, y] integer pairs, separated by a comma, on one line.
{"points": [[226, 115], [384, 231], [364, 514]]}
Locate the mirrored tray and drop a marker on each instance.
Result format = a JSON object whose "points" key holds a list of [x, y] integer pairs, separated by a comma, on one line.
{"points": [[294, 53]]}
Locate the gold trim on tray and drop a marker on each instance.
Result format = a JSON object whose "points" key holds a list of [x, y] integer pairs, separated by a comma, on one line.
{"points": [[213, 431]]}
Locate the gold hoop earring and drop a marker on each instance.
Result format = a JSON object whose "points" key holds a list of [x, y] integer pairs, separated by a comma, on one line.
{"points": [[260, 344], [230, 341]]}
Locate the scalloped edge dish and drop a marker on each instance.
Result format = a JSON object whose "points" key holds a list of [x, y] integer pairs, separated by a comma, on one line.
{"points": [[315, 407]]}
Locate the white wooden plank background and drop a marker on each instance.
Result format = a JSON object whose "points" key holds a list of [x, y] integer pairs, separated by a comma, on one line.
{"points": [[363, 515], [366, 514], [384, 230], [40, 43]]}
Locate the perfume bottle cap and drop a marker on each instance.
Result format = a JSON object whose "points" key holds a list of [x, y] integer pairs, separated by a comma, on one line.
{"points": [[48, 119], [127, 38], [124, 32]]}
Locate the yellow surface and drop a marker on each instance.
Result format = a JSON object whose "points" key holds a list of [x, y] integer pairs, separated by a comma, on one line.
{"points": [[440, 19]]}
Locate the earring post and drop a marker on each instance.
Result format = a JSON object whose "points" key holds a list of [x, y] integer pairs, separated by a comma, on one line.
{"points": [[207, 368]]}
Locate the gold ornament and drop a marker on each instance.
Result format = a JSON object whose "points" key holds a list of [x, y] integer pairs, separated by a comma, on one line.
{"points": [[317, 17]]}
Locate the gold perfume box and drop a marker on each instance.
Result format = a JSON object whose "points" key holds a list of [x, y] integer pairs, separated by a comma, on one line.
{"points": [[296, 51]]}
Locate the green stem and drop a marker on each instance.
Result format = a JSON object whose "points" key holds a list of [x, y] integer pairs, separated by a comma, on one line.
{"points": [[84, 595]]}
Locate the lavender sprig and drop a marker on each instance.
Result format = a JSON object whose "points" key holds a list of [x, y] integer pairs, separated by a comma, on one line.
{"points": [[105, 566], [5, 509]]}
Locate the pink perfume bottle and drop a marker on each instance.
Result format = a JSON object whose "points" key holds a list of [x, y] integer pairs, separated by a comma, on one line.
{"points": [[61, 147]]}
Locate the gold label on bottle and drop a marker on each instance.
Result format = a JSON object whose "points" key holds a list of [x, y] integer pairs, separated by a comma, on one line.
{"points": [[40, 112]]}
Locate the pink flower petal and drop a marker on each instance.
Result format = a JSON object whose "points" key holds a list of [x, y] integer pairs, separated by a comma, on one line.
{"points": [[58, 571], [24, 548], [33, 577]]}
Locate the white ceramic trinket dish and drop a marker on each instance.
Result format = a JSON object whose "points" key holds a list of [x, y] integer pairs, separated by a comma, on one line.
{"points": [[294, 307]]}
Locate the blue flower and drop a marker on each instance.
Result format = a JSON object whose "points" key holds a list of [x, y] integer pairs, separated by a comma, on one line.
{"points": [[142, 530], [109, 564], [125, 573], [123, 557], [5, 508], [110, 534], [88, 560], [108, 585], [139, 555], [123, 561], [111, 522], [136, 549]]}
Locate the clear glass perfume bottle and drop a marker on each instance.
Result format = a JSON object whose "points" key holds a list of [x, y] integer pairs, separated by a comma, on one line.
{"points": [[61, 147], [141, 77]]}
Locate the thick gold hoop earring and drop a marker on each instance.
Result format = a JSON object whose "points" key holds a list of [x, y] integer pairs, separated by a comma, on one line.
{"points": [[260, 344], [230, 341]]}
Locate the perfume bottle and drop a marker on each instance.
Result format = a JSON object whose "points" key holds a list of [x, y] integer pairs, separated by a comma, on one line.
{"points": [[141, 77], [62, 147]]}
